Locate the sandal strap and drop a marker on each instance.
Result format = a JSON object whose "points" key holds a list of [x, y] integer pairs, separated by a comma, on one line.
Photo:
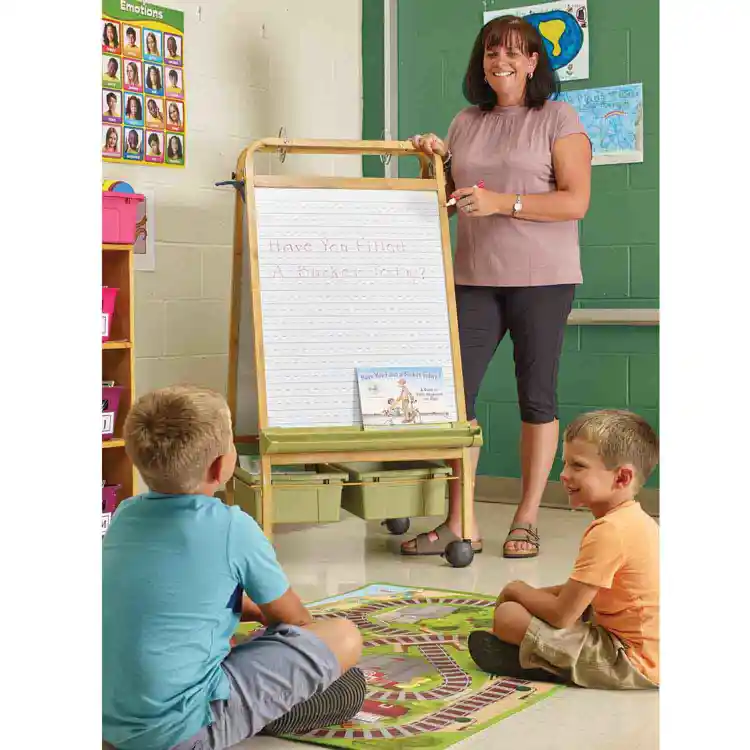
{"points": [[423, 543], [526, 533]]}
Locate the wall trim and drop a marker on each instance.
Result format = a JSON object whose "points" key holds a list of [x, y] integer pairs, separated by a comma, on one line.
{"points": [[507, 490]]}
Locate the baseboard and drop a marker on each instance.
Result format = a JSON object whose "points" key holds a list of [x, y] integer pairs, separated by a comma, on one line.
{"points": [[507, 490]]}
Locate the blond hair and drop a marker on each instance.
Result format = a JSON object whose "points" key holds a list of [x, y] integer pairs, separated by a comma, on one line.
{"points": [[620, 438], [173, 435]]}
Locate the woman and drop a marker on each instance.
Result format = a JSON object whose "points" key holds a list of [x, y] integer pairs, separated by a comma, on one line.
{"points": [[151, 47], [134, 111], [111, 141], [133, 77], [110, 38], [173, 116], [174, 151], [153, 145], [172, 48], [153, 79], [517, 257]]}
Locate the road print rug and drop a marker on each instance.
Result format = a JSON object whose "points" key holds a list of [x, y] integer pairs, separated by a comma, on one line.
{"points": [[424, 690]]}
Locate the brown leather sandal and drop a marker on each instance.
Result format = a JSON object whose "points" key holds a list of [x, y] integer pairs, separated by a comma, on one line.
{"points": [[425, 546], [522, 532]]}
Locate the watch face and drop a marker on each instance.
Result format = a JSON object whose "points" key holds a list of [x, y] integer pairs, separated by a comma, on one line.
{"points": [[516, 206]]}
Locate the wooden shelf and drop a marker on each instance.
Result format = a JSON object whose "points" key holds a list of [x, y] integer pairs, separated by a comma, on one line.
{"points": [[118, 363], [116, 345], [117, 248], [116, 443]]}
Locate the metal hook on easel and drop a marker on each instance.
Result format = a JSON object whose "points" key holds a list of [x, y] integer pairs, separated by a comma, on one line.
{"points": [[235, 183], [385, 158], [281, 151]]}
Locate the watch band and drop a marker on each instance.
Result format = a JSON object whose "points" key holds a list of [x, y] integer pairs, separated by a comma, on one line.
{"points": [[517, 206]]}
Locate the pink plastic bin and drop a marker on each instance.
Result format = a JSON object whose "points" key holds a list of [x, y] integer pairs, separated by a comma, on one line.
{"points": [[109, 502], [119, 214], [109, 295], [110, 403]]}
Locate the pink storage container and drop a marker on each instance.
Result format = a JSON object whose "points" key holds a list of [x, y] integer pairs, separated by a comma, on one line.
{"points": [[109, 503], [110, 403], [109, 295], [119, 215]]}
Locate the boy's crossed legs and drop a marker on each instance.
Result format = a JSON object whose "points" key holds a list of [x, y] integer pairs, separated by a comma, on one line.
{"points": [[289, 679], [524, 647]]}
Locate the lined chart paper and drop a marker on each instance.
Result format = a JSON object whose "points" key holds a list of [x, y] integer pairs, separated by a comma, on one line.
{"points": [[348, 278]]}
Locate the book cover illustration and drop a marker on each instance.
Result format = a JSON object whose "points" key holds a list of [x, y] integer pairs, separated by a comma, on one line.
{"points": [[401, 396]]}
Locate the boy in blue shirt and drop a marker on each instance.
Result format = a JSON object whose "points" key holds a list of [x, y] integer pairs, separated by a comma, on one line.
{"points": [[179, 569]]}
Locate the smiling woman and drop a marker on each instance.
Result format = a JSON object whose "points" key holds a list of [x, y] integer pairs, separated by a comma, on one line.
{"points": [[517, 259]]}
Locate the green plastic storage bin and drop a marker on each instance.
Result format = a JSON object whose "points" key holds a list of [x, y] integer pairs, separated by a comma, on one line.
{"points": [[299, 495], [377, 498]]}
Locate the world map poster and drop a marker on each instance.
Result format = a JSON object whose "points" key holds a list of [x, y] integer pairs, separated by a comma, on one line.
{"points": [[564, 27], [143, 84]]}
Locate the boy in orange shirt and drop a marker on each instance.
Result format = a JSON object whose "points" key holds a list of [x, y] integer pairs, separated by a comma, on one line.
{"points": [[545, 634]]}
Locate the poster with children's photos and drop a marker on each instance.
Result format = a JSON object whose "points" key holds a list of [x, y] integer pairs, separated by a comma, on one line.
{"points": [[144, 111]]}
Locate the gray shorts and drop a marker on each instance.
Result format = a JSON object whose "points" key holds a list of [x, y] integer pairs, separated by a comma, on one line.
{"points": [[268, 676]]}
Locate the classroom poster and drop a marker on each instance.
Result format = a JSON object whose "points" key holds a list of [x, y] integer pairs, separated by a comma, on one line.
{"points": [[613, 118], [564, 26], [143, 84]]}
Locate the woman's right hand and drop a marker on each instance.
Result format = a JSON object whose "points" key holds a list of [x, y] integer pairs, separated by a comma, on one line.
{"points": [[429, 144]]}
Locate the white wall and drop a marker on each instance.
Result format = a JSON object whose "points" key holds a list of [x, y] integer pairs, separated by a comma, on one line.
{"points": [[252, 66]]}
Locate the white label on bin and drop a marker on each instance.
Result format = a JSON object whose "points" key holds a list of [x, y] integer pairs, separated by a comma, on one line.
{"points": [[106, 518], [105, 324], [108, 422]]}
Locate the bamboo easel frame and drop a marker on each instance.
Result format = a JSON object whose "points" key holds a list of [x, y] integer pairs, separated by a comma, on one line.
{"points": [[432, 178]]}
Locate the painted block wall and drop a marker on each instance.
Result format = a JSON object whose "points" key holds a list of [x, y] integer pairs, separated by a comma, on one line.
{"points": [[251, 68], [601, 366]]}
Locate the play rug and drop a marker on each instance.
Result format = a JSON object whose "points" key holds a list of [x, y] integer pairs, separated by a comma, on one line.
{"points": [[424, 690]]}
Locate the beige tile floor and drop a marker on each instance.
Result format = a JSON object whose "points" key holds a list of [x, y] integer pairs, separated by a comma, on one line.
{"points": [[329, 559]]}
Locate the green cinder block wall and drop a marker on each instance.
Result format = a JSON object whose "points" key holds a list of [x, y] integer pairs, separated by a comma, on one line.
{"points": [[607, 366]]}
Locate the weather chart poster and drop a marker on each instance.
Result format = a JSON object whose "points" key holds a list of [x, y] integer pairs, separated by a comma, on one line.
{"points": [[143, 84]]}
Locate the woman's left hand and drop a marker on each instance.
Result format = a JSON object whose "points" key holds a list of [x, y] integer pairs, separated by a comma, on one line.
{"points": [[475, 201]]}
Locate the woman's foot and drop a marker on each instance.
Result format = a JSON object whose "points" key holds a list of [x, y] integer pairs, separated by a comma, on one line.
{"points": [[434, 542], [522, 541]]}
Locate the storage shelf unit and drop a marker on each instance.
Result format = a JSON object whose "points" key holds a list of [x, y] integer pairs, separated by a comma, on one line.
{"points": [[118, 363]]}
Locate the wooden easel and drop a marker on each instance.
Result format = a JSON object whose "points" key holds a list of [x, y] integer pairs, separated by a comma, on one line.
{"points": [[322, 445]]}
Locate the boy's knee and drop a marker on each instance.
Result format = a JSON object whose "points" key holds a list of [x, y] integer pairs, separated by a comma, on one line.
{"points": [[511, 622], [351, 638]]}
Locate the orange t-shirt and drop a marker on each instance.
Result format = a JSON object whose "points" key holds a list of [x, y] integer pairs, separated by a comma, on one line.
{"points": [[620, 554]]}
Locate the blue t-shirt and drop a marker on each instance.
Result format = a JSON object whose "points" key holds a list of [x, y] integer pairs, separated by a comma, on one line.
{"points": [[173, 571]]}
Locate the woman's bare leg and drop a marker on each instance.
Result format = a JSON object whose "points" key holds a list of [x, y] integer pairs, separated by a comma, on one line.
{"points": [[538, 449]]}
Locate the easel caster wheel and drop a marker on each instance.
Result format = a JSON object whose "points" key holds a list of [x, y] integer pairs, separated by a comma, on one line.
{"points": [[459, 554], [397, 525]]}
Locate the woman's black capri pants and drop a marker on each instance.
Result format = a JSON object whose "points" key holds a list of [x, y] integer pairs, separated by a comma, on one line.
{"points": [[535, 317]]}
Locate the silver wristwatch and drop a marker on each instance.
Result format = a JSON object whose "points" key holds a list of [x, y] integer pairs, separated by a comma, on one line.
{"points": [[517, 206]]}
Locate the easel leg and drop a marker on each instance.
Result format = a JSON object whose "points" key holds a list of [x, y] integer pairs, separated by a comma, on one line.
{"points": [[266, 496], [467, 495]]}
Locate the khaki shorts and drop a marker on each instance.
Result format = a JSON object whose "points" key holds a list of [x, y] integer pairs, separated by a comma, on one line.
{"points": [[586, 653]]}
